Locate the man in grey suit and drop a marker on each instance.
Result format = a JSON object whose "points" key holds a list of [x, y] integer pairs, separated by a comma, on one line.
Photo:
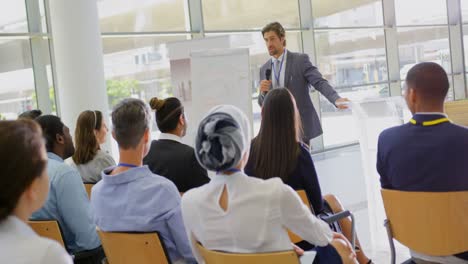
{"points": [[295, 72]]}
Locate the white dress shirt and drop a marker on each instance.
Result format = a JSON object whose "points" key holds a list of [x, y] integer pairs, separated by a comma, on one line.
{"points": [[256, 217], [20, 245], [167, 136], [275, 69]]}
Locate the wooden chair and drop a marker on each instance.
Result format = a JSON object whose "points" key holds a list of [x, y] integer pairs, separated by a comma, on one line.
{"points": [[88, 187], [292, 236], [432, 223], [49, 229], [457, 112], [142, 248], [216, 257], [330, 219]]}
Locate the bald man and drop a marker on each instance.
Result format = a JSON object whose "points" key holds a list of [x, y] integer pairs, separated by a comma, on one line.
{"points": [[428, 154]]}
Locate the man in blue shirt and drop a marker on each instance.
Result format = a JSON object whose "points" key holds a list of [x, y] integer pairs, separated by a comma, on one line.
{"points": [[428, 154], [130, 198], [67, 201]]}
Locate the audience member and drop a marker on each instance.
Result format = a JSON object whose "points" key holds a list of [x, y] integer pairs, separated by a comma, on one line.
{"points": [[241, 214], [428, 154], [278, 152], [31, 114], [24, 189], [130, 198], [67, 201], [168, 156], [89, 159]]}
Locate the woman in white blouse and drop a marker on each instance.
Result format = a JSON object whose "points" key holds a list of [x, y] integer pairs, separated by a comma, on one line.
{"points": [[241, 214], [89, 159], [23, 190]]}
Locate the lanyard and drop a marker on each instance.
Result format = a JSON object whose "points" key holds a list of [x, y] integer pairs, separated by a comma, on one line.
{"points": [[233, 170], [430, 122], [127, 165], [277, 76]]}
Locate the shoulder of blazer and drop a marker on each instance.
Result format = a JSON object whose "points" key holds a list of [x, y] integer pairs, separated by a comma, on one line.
{"points": [[266, 65]]}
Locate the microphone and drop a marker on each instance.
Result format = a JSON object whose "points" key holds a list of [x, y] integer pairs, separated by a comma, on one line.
{"points": [[268, 74]]}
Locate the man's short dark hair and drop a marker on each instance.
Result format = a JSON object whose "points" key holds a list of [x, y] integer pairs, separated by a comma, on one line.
{"points": [[429, 80], [51, 126], [275, 27], [130, 119]]}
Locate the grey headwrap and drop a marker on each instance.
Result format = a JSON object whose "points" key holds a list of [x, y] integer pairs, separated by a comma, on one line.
{"points": [[223, 138]]}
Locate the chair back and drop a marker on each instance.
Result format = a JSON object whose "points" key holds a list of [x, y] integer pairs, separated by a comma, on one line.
{"points": [[88, 187], [142, 248], [49, 229], [292, 236], [457, 111], [215, 257], [432, 223]]}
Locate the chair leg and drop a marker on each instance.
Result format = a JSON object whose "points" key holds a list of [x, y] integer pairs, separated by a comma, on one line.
{"points": [[353, 231], [390, 241]]}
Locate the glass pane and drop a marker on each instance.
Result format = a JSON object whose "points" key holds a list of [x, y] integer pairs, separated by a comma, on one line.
{"points": [[258, 57], [43, 16], [339, 126], [347, 13], [352, 57], [464, 10], [137, 67], [141, 15], [465, 44], [423, 44], [13, 16], [430, 12], [16, 78], [247, 14]]}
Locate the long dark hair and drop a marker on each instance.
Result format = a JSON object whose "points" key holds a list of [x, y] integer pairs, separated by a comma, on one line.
{"points": [[85, 140], [168, 112], [276, 147], [21, 145]]}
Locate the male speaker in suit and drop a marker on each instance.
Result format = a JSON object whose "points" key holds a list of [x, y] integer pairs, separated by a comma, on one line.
{"points": [[428, 154], [295, 72]]}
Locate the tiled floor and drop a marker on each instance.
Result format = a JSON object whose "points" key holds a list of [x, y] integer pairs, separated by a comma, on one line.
{"points": [[340, 173]]}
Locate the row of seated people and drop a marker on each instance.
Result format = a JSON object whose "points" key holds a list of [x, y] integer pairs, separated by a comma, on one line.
{"points": [[68, 203], [233, 212], [170, 158]]}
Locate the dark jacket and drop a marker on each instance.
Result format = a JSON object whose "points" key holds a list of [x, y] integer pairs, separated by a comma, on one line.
{"points": [[424, 158], [299, 76], [177, 162], [303, 177]]}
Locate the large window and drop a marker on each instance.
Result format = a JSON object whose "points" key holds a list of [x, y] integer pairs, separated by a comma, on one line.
{"points": [[351, 55], [421, 12], [13, 17], [349, 45], [137, 67], [423, 36], [142, 15], [347, 13], [247, 14], [346, 40], [24, 60]]}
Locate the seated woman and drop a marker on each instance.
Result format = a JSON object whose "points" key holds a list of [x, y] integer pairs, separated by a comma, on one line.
{"points": [[278, 152], [241, 214], [89, 159], [168, 156], [24, 189]]}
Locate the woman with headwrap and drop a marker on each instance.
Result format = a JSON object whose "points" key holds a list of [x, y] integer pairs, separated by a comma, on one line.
{"points": [[241, 214]]}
